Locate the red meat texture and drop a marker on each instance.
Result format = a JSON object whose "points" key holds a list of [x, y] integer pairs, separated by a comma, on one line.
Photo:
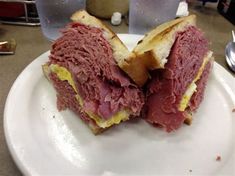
{"points": [[102, 85], [66, 99], [168, 85]]}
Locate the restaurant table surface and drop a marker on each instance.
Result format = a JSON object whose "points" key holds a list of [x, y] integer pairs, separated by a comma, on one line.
{"points": [[31, 44]]}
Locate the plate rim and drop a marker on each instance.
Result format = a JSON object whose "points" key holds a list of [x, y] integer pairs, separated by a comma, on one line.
{"points": [[14, 154]]}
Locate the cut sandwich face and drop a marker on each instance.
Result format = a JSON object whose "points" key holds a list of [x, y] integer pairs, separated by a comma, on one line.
{"points": [[192, 88], [120, 51], [88, 81], [173, 90]]}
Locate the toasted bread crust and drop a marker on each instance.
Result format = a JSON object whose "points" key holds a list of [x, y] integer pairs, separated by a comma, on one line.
{"points": [[161, 33], [136, 69], [188, 119], [152, 51], [136, 66]]}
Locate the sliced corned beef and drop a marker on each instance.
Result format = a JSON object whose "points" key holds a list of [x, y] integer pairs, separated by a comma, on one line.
{"points": [[66, 99], [168, 85], [201, 85], [103, 86]]}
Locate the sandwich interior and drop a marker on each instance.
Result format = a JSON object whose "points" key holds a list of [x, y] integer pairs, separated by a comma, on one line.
{"points": [[176, 90], [83, 70]]}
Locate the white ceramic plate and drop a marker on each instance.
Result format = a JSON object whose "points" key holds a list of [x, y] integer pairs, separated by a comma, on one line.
{"points": [[44, 141]]}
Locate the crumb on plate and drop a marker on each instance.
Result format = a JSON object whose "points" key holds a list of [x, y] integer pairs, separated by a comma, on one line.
{"points": [[218, 158]]}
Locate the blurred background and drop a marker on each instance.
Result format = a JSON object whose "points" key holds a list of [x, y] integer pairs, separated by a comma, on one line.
{"points": [[140, 15]]}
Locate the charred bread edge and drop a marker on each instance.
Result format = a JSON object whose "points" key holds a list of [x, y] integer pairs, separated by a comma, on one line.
{"points": [[151, 52]]}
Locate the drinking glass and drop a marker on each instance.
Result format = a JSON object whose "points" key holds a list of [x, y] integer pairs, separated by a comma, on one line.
{"points": [[144, 15], [55, 14]]}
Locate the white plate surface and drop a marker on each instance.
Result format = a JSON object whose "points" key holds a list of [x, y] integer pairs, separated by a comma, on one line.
{"points": [[44, 141]]}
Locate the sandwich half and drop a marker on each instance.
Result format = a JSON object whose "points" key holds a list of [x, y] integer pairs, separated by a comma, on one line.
{"points": [[84, 68], [173, 62]]}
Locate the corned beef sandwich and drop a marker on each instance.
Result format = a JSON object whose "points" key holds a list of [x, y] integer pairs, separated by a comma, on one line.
{"points": [[85, 69], [176, 61]]}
